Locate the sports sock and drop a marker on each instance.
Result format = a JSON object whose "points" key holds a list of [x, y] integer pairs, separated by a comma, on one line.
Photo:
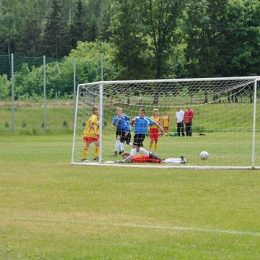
{"points": [[150, 146], [153, 156], [85, 151], [155, 147], [96, 151], [173, 160], [121, 146], [117, 145], [133, 151], [143, 151]]}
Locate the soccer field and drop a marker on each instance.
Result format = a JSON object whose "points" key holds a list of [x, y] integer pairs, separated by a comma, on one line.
{"points": [[53, 210]]}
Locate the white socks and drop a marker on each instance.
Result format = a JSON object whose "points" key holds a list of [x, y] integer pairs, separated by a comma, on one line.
{"points": [[117, 146], [133, 151], [173, 160], [141, 151]]}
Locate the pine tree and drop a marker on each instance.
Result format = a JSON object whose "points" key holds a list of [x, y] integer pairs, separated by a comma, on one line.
{"points": [[55, 41], [78, 25]]}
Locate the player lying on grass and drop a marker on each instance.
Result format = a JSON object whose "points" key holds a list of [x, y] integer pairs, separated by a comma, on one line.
{"points": [[151, 158]]}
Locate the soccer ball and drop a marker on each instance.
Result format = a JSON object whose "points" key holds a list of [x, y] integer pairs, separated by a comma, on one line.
{"points": [[204, 155]]}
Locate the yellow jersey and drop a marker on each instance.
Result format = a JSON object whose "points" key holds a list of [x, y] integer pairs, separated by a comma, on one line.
{"points": [[92, 127], [166, 121], [157, 120]]}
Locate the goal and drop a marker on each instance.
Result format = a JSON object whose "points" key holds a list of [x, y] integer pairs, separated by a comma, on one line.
{"points": [[226, 121]]}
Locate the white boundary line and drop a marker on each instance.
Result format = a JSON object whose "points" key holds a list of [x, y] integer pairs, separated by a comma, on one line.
{"points": [[128, 225], [231, 232], [161, 166]]}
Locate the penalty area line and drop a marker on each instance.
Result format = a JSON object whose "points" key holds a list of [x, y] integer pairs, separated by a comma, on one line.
{"points": [[206, 230], [129, 225]]}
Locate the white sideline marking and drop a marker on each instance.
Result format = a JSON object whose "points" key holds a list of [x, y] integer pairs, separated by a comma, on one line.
{"points": [[231, 232], [206, 230]]}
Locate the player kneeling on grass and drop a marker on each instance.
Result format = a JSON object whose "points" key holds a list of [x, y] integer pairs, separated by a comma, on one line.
{"points": [[151, 158]]}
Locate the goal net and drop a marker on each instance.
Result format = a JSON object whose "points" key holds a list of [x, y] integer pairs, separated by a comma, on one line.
{"points": [[225, 122]]}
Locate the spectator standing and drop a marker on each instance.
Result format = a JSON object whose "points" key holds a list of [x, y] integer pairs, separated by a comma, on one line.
{"points": [[188, 117], [179, 120]]}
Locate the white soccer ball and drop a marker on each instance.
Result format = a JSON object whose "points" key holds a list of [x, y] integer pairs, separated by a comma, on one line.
{"points": [[204, 155]]}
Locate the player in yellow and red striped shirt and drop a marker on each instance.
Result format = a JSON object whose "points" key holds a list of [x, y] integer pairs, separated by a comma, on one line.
{"points": [[166, 123], [91, 134], [154, 130]]}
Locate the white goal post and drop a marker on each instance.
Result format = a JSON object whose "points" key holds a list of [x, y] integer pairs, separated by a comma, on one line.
{"points": [[226, 120]]}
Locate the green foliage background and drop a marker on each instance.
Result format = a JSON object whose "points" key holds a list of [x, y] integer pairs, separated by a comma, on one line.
{"points": [[136, 40]]}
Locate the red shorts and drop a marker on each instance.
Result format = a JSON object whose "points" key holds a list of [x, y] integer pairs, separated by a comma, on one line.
{"points": [[154, 134], [90, 139]]}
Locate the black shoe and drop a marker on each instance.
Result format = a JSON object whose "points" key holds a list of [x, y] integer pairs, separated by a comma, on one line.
{"points": [[121, 152], [95, 159], [115, 153], [183, 160]]}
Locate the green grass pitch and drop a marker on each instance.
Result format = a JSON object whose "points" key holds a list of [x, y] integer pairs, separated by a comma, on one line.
{"points": [[53, 210]]}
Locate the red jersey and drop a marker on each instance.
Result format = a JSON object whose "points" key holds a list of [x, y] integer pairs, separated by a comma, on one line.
{"points": [[144, 159]]}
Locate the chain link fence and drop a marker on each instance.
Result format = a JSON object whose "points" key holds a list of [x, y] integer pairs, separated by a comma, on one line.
{"points": [[44, 88]]}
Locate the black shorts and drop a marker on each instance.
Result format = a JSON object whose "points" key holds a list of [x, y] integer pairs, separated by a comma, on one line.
{"points": [[138, 139], [128, 138], [121, 133]]}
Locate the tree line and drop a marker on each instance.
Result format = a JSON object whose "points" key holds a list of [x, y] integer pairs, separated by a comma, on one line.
{"points": [[148, 39]]}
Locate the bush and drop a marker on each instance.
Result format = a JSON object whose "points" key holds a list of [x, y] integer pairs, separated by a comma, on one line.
{"points": [[65, 123]]}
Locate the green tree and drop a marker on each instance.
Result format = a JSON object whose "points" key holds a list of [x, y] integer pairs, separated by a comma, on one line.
{"points": [[78, 24], [205, 22], [93, 14], [55, 41], [98, 20], [130, 45], [10, 26], [160, 21], [5, 86], [242, 50], [29, 43]]}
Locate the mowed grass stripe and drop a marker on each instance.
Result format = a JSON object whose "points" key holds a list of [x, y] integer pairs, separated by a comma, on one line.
{"points": [[53, 210], [177, 228]]}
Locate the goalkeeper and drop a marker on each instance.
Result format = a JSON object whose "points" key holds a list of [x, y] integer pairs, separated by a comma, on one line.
{"points": [[151, 158]]}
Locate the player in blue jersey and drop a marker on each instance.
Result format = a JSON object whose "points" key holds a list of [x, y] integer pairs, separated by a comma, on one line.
{"points": [[120, 121], [128, 130], [141, 124]]}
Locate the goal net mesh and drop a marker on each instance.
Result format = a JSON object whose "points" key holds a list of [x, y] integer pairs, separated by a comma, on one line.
{"points": [[225, 120]]}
